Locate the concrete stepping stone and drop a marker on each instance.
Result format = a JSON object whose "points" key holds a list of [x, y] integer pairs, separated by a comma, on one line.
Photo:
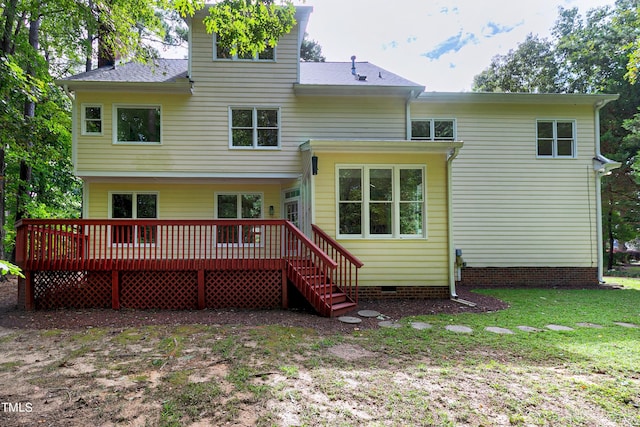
{"points": [[529, 329], [626, 325], [421, 325], [559, 328], [497, 330], [589, 325], [350, 320], [368, 313], [389, 324], [459, 329]]}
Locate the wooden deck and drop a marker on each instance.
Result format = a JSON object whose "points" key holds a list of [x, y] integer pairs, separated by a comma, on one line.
{"points": [[174, 264]]}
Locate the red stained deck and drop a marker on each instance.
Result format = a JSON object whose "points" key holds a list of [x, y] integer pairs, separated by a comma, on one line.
{"points": [[188, 264]]}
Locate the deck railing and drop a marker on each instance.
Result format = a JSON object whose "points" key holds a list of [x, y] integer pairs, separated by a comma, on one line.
{"points": [[178, 245]]}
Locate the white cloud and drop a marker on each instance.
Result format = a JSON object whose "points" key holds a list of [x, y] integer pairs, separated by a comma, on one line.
{"points": [[441, 44]]}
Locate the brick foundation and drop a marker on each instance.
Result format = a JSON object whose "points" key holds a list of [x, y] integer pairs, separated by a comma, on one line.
{"points": [[402, 292], [530, 276]]}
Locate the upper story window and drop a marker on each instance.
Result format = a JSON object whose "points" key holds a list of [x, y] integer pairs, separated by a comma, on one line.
{"points": [[224, 53], [381, 201], [254, 127], [91, 119], [137, 124], [556, 138], [433, 130], [134, 206]]}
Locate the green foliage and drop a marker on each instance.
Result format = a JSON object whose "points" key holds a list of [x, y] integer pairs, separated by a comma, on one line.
{"points": [[311, 51], [8, 268], [249, 26]]}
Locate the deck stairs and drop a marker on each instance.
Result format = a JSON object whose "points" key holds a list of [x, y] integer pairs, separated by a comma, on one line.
{"points": [[318, 288]]}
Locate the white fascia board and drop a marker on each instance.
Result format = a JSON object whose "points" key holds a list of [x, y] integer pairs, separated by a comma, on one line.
{"points": [[380, 146], [514, 98]]}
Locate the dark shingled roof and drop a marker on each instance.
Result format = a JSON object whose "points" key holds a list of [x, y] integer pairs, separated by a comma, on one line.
{"points": [[311, 73], [339, 74], [158, 71]]}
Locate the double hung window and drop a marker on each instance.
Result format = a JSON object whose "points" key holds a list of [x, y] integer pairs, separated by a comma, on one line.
{"points": [[91, 119], [381, 201], [239, 206], [134, 206], [433, 130], [254, 127], [556, 139]]}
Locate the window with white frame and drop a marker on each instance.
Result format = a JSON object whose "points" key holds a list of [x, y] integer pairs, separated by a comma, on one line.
{"points": [[137, 124], [433, 129], [91, 119], [224, 53], [556, 139], [254, 127], [381, 201], [239, 206], [134, 206]]}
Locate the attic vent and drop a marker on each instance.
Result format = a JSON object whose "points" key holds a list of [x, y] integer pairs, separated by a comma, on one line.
{"points": [[361, 78]]}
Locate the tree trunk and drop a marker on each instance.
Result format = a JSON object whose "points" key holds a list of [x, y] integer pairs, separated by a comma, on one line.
{"points": [[9, 15], [89, 51], [23, 193], [610, 234]]}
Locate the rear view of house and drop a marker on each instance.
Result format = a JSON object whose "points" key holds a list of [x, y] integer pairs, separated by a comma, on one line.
{"points": [[226, 181]]}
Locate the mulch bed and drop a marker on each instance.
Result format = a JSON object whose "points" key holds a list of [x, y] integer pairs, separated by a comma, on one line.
{"points": [[12, 317]]}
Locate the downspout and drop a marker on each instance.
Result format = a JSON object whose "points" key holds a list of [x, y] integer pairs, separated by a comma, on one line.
{"points": [[602, 166], [452, 278]]}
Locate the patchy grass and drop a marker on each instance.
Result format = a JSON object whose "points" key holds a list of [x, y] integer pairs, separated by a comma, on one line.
{"points": [[284, 376]]}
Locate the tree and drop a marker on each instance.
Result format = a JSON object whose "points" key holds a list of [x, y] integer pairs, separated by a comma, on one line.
{"points": [[587, 54], [310, 50], [44, 40]]}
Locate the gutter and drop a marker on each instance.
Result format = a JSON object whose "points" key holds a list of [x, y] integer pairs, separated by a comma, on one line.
{"points": [[602, 166], [452, 278]]}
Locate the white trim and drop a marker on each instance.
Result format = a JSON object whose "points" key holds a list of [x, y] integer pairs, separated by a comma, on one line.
{"points": [[188, 175], [83, 119], [114, 123], [238, 194], [395, 202], [554, 148], [254, 124]]}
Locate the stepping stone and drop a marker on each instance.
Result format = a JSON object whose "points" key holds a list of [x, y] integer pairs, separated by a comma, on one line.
{"points": [[529, 329], [368, 313], [350, 320], [389, 324], [559, 328], [420, 325], [459, 328], [626, 325], [497, 330], [589, 325]]}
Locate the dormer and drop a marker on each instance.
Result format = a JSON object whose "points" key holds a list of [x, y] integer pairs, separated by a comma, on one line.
{"points": [[209, 62]]}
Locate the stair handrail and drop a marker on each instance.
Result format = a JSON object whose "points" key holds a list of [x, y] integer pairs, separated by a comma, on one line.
{"points": [[337, 246], [331, 263]]}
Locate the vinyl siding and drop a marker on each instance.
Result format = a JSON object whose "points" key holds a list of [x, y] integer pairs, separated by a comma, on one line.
{"points": [[510, 208], [195, 128], [391, 262], [181, 201]]}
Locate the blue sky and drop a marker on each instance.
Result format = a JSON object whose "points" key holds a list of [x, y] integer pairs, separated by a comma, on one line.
{"points": [[440, 44]]}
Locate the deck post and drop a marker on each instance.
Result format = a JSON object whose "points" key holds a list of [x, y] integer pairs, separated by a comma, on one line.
{"points": [[201, 300], [115, 289], [29, 301], [285, 291]]}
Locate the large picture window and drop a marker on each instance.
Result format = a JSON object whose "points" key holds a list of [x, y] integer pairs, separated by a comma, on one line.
{"points": [[134, 206], [556, 139], [255, 127], [433, 130], [137, 124], [239, 206], [381, 201]]}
